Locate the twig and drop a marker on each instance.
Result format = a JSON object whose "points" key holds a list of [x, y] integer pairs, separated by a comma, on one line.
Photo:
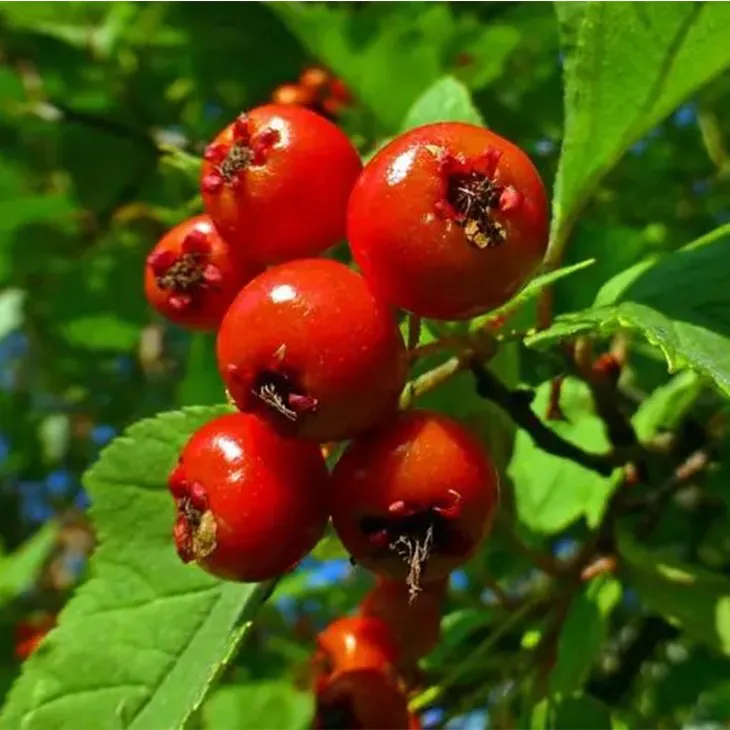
{"points": [[455, 343], [430, 380], [517, 404]]}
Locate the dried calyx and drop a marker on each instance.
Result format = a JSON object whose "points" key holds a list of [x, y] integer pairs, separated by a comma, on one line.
{"points": [[416, 532], [473, 197], [194, 532], [281, 396], [230, 161], [186, 274]]}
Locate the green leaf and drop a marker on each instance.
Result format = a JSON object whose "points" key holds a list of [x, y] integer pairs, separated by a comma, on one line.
{"points": [[665, 407], [696, 600], [680, 304], [580, 712], [258, 705], [533, 288], [142, 640], [583, 634], [551, 492], [100, 332], [632, 63], [33, 209], [19, 570], [447, 100], [368, 48]]}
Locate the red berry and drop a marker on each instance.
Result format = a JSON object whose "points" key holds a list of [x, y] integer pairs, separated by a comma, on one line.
{"points": [[415, 625], [276, 183], [448, 221], [315, 78], [354, 642], [307, 345], [356, 684], [414, 500], [250, 503], [192, 275], [365, 699], [295, 94]]}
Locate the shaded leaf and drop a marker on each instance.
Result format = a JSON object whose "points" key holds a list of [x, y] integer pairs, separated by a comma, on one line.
{"points": [[692, 598]]}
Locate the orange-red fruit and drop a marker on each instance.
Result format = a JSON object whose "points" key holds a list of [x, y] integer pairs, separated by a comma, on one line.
{"points": [[30, 632], [355, 642], [356, 685], [448, 221], [307, 346], [414, 624], [294, 94], [192, 275], [276, 183], [250, 502], [315, 78], [414, 499], [365, 699]]}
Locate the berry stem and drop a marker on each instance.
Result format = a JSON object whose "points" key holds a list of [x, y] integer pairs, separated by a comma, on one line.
{"points": [[431, 380]]}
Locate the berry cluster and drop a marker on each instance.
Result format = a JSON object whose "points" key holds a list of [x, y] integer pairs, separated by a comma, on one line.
{"points": [[318, 90], [365, 665], [447, 221]]}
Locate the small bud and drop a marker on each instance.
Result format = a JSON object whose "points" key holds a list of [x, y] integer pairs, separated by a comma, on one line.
{"points": [[177, 484], [196, 242], [198, 497], [215, 152], [242, 128], [487, 163], [161, 261]]}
